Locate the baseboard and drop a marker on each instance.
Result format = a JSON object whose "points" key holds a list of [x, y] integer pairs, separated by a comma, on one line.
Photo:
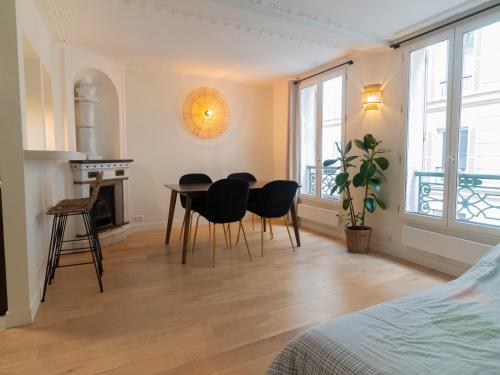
{"points": [[329, 230], [35, 303], [3, 323], [17, 318], [422, 258], [431, 261], [140, 227]]}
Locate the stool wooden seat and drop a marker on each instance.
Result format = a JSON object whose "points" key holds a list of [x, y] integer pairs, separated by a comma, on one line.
{"points": [[61, 211]]}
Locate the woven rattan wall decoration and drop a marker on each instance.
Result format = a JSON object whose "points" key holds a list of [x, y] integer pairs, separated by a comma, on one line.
{"points": [[206, 112]]}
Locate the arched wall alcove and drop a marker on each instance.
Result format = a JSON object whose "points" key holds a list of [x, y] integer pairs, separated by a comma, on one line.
{"points": [[107, 112]]}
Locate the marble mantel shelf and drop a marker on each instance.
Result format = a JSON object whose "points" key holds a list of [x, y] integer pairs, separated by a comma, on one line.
{"points": [[52, 155], [101, 161]]}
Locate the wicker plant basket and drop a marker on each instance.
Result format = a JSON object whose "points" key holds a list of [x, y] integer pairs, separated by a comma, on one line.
{"points": [[358, 239]]}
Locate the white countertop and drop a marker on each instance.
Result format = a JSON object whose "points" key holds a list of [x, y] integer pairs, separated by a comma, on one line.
{"points": [[52, 155]]}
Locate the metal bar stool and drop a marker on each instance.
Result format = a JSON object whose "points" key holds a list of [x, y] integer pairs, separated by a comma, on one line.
{"points": [[61, 211]]}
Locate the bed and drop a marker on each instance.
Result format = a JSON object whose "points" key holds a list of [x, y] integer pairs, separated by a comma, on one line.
{"points": [[450, 329]]}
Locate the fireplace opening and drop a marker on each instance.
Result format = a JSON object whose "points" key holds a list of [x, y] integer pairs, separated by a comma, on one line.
{"points": [[103, 215], [104, 210]]}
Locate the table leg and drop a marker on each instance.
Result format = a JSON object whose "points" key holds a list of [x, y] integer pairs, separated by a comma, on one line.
{"points": [[295, 223], [187, 228], [171, 210]]}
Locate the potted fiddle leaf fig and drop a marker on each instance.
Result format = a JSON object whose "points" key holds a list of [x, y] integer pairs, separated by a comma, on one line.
{"points": [[366, 175]]}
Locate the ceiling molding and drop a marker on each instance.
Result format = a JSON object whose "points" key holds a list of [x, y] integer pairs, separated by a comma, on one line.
{"points": [[147, 5], [56, 20], [451, 13], [330, 22]]}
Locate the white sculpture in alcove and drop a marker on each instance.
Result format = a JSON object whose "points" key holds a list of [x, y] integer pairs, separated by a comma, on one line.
{"points": [[85, 102]]}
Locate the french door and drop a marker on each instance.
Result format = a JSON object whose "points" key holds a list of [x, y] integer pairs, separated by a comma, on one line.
{"points": [[452, 163], [321, 126]]}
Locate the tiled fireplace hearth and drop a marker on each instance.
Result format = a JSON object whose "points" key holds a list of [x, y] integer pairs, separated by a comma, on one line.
{"points": [[111, 208]]}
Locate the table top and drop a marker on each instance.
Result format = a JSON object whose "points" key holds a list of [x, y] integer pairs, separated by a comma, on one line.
{"points": [[199, 188]]}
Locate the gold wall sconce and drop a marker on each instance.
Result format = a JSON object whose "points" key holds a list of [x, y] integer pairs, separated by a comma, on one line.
{"points": [[206, 112], [372, 97]]}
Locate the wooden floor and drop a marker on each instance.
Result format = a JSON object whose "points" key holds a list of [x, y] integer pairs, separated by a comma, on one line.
{"points": [[159, 317]]}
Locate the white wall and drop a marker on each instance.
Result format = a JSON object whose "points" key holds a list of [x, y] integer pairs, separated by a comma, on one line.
{"points": [[29, 187], [30, 25], [12, 165], [163, 149], [49, 181], [36, 186], [387, 124]]}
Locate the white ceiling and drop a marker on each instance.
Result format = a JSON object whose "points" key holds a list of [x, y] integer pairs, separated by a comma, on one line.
{"points": [[250, 40]]}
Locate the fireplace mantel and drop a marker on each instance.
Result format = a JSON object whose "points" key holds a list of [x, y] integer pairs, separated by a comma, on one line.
{"points": [[116, 175]]}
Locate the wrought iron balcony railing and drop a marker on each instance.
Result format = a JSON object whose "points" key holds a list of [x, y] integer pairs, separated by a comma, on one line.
{"points": [[328, 175], [478, 196]]}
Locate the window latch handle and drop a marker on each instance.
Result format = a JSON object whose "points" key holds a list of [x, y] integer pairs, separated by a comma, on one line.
{"points": [[451, 159]]}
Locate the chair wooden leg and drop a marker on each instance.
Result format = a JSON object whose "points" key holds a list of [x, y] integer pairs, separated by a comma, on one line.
{"points": [[209, 230], [229, 231], [238, 236], [271, 234], [213, 246], [253, 222], [190, 226], [195, 232], [182, 230], [262, 236], [288, 230], [225, 233], [245, 238]]}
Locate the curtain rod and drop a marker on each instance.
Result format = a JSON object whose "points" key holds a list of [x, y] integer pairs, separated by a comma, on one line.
{"points": [[396, 45], [350, 62]]}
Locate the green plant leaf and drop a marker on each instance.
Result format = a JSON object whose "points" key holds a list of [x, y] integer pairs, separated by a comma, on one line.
{"points": [[374, 184], [341, 189], [350, 158], [341, 178], [370, 204], [334, 188], [367, 169], [379, 202], [348, 147], [358, 180], [360, 144], [337, 144], [329, 162], [345, 203], [383, 163], [369, 142]]}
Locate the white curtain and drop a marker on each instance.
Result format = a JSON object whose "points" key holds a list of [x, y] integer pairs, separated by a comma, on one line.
{"points": [[293, 128]]}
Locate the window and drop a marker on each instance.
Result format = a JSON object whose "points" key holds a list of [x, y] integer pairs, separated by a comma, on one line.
{"points": [[321, 123], [452, 163], [426, 145]]}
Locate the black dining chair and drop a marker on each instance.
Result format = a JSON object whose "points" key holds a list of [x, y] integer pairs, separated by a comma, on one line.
{"points": [[197, 202], [226, 203], [274, 201], [252, 195]]}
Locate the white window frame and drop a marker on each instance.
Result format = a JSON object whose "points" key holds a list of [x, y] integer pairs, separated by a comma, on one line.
{"points": [[316, 200], [453, 112]]}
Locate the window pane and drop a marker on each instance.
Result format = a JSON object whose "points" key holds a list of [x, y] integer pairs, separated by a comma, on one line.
{"points": [[425, 159], [308, 118], [478, 195], [331, 132]]}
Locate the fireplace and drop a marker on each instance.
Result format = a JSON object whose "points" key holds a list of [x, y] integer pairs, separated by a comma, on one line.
{"points": [[110, 210]]}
